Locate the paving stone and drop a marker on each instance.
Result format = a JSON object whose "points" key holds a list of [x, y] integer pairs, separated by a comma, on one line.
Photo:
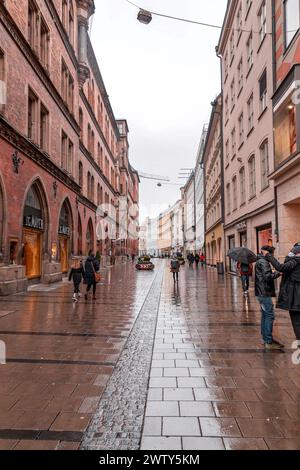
{"points": [[219, 427], [162, 382], [152, 426], [202, 443], [190, 382], [195, 408], [177, 394], [163, 408], [181, 427], [155, 394], [161, 443], [176, 372]]}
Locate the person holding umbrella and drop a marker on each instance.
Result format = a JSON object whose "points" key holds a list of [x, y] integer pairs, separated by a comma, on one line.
{"points": [[244, 258]]}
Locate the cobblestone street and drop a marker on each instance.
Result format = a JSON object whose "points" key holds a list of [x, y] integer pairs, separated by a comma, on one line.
{"points": [[148, 365]]}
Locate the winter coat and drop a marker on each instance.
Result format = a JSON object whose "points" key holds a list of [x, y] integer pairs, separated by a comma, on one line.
{"points": [[76, 274], [91, 266], [245, 269], [264, 278], [289, 295]]}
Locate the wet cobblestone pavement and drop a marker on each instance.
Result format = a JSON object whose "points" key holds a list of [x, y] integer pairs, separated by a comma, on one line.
{"points": [[78, 376]]}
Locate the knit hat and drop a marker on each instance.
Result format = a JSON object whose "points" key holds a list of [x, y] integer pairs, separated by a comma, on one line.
{"points": [[268, 248], [296, 249]]}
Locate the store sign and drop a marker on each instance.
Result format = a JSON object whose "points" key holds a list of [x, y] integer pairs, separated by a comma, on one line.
{"points": [[64, 230], [33, 221], [241, 226]]}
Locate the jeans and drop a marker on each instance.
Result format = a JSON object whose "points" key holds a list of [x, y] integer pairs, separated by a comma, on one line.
{"points": [[245, 282], [295, 317], [267, 318]]}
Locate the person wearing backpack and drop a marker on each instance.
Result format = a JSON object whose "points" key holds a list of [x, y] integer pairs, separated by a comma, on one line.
{"points": [[175, 268], [245, 270]]}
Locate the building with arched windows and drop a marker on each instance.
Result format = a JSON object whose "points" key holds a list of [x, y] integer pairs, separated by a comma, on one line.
{"points": [[62, 165]]}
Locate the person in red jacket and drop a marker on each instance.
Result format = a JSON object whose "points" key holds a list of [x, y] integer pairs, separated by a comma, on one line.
{"points": [[245, 270]]}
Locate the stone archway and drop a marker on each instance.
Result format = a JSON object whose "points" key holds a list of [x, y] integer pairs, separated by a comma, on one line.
{"points": [[35, 230]]}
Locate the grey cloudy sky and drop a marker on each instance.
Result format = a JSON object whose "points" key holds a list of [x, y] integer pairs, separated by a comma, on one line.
{"points": [[161, 78]]}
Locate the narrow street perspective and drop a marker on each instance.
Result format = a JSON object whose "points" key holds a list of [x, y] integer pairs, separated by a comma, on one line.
{"points": [[149, 232], [150, 365]]}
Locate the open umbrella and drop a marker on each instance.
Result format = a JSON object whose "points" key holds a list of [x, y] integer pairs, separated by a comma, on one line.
{"points": [[242, 255]]}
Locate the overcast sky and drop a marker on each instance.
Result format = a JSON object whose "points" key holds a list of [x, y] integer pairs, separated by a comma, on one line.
{"points": [[161, 78]]}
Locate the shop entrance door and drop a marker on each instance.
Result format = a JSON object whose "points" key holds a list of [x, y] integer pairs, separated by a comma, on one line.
{"points": [[32, 253], [231, 244], [64, 254]]}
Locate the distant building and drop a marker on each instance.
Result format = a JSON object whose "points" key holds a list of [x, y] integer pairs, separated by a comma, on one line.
{"points": [[199, 195], [189, 214]]}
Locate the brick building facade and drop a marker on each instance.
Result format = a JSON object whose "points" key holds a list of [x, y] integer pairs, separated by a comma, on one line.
{"points": [[65, 177]]}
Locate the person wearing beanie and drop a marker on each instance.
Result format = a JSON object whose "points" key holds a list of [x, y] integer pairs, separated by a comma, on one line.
{"points": [[265, 291], [289, 295]]}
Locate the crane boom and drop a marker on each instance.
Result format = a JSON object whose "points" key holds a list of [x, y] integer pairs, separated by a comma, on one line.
{"points": [[153, 177]]}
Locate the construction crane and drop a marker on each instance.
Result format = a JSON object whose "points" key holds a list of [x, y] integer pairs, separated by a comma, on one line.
{"points": [[153, 177]]}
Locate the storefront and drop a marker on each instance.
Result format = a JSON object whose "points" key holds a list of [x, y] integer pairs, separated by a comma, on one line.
{"points": [[33, 230], [264, 236], [242, 231]]}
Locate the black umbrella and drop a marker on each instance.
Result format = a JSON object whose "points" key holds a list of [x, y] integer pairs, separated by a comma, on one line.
{"points": [[242, 255]]}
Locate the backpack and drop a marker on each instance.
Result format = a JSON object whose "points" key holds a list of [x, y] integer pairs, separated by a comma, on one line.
{"points": [[174, 264]]}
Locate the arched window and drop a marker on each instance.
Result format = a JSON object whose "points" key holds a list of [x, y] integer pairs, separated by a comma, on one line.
{"points": [[99, 110], [92, 149], [89, 142], [252, 178], [80, 174]]}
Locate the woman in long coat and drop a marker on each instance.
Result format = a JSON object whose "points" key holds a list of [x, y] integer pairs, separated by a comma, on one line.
{"points": [[289, 296], [90, 268]]}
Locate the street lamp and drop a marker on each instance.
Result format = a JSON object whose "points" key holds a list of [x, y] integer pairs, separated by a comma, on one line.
{"points": [[144, 16]]}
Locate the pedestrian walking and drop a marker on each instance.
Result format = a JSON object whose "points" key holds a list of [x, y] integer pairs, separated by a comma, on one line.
{"points": [[76, 274], [175, 268], [191, 259], [197, 260], [289, 295], [133, 257], [91, 270], [202, 259], [265, 291], [245, 270]]}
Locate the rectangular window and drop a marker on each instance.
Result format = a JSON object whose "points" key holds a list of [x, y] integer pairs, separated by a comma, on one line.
{"points": [[33, 25], [241, 129], [44, 128], [2, 82], [285, 130], [227, 152], [226, 65], [263, 91], [233, 143], [32, 118], [231, 44], [249, 47], [226, 109], [64, 150], [67, 87], [239, 22], [240, 76], [291, 20], [44, 44], [228, 200], [250, 110], [262, 21], [70, 157], [232, 90], [234, 193], [264, 163]]}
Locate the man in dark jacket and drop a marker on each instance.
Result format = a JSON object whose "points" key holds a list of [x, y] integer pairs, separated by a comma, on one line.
{"points": [[289, 296], [91, 267], [264, 291]]}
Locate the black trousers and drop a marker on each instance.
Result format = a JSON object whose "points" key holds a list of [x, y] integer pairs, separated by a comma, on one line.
{"points": [[76, 287], [89, 286], [295, 318], [175, 276], [245, 282]]}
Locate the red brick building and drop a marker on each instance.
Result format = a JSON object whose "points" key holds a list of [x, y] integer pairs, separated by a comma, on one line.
{"points": [[63, 154], [286, 111]]}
